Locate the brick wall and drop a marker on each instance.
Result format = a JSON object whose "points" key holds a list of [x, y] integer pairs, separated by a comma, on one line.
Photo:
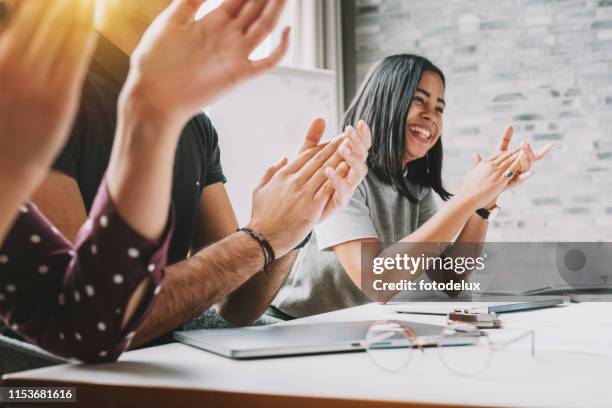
{"points": [[543, 65]]}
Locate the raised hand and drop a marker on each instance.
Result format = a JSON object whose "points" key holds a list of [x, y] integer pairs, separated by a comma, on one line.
{"points": [[45, 49], [182, 64], [346, 169], [488, 178], [291, 197], [527, 156]]}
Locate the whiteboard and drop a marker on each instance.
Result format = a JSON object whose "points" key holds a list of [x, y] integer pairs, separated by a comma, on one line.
{"points": [[265, 119]]}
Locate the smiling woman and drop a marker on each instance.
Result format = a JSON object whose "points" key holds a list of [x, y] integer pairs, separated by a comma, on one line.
{"points": [[391, 112], [393, 211]]}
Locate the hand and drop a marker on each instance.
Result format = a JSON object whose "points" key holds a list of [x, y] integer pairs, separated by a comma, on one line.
{"points": [[291, 197], [182, 64], [488, 178], [45, 49], [346, 169], [527, 158]]}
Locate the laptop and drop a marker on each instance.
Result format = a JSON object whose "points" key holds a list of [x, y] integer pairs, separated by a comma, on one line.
{"points": [[297, 339], [486, 304]]}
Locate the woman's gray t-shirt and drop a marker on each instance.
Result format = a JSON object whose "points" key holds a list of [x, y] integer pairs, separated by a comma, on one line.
{"points": [[317, 282]]}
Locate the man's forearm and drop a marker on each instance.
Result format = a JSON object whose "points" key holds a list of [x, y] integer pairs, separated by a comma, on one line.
{"points": [[247, 303], [193, 285]]}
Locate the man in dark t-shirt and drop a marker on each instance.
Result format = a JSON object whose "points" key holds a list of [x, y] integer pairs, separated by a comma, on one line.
{"points": [[223, 266], [87, 153]]}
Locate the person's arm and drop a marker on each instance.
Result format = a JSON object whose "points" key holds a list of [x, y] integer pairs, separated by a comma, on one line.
{"points": [[209, 275], [38, 100], [216, 218], [60, 297], [484, 182], [472, 236], [250, 301], [82, 301], [216, 221]]}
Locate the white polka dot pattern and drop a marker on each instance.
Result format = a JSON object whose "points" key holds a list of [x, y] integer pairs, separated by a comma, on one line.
{"points": [[90, 286], [104, 221]]}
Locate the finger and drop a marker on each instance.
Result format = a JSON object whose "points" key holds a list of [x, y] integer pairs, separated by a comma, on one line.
{"points": [[495, 156], [317, 162], [52, 34], [335, 188], [356, 144], [313, 135], [233, 7], [184, 11], [342, 170], [249, 13], [299, 162], [522, 177], [24, 23], [527, 157], [544, 151], [505, 155], [324, 193], [265, 64], [506, 138], [271, 171], [334, 161], [510, 169], [477, 159], [265, 23], [365, 133], [510, 159], [76, 56], [528, 152], [357, 173], [5, 11], [525, 164]]}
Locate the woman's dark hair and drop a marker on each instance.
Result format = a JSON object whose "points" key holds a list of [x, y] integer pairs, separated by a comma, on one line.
{"points": [[383, 101]]}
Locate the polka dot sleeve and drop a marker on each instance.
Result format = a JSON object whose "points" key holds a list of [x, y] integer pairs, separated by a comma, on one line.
{"points": [[71, 300]]}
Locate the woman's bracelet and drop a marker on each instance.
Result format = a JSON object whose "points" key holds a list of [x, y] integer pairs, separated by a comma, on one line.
{"points": [[268, 252]]}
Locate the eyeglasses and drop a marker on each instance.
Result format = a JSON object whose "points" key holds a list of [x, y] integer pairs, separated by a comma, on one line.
{"points": [[462, 348]]}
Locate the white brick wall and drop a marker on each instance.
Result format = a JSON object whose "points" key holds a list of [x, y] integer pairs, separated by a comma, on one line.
{"points": [[543, 65]]}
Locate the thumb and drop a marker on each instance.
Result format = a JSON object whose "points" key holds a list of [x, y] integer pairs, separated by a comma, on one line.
{"points": [[313, 135], [477, 159], [184, 11]]}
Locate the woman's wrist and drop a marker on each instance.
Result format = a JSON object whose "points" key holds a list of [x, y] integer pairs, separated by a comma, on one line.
{"points": [[463, 204], [491, 206]]}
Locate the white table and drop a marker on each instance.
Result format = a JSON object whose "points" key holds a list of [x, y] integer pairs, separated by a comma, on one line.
{"points": [[574, 368]]}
